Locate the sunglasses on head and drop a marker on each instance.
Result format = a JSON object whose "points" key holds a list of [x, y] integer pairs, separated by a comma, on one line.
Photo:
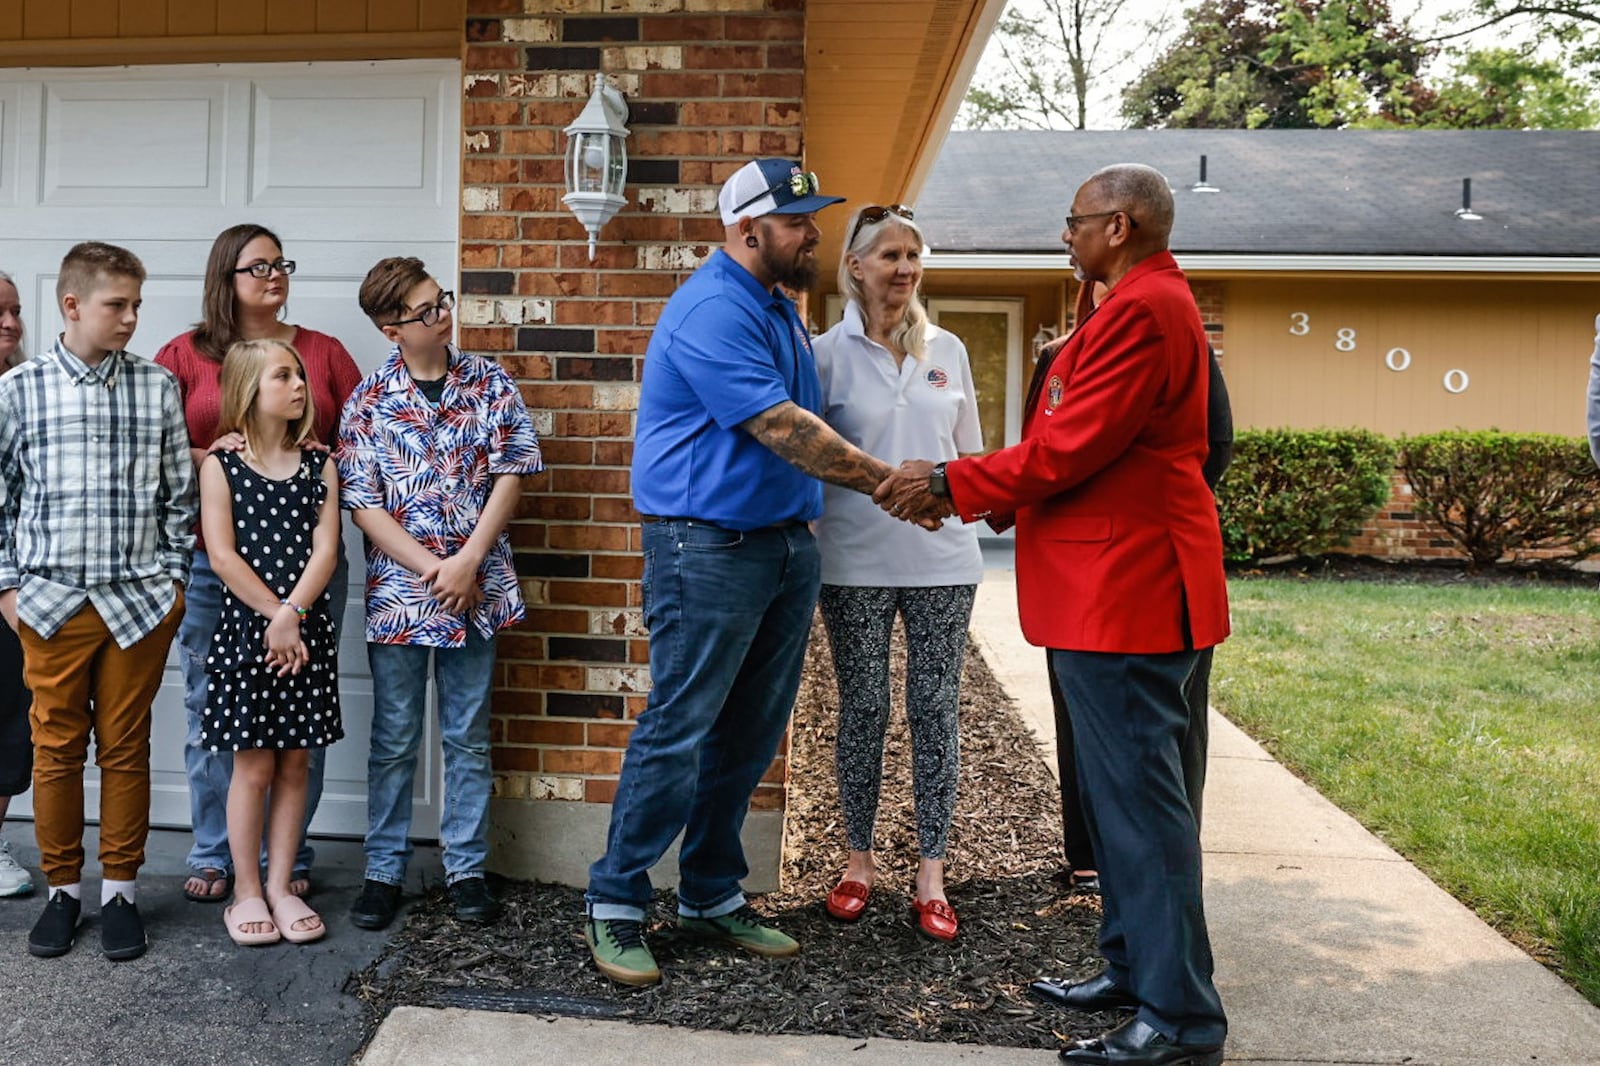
{"points": [[873, 214], [800, 185]]}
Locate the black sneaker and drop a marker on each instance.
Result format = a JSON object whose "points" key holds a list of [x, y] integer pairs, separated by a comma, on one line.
{"points": [[473, 901], [121, 930], [56, 928], [379, 903]]}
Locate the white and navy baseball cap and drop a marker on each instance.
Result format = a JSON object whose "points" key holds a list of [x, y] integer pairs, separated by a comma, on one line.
{"points": [[771, 187]]}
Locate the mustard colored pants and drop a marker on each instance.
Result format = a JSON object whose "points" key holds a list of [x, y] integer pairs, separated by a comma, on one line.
{"points": [[83, 682]]}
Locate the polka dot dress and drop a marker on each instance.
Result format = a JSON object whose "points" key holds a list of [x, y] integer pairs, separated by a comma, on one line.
{"points": [[248, 705]]}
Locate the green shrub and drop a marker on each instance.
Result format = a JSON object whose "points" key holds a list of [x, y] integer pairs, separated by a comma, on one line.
{"points": [[1499, 494], [1301, 492]]}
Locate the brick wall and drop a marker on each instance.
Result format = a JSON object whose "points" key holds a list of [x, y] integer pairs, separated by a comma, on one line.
{"points": [[1398, 532], [709, 83], [1211, 296]]}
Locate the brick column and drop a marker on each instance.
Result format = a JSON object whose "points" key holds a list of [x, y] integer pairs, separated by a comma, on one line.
{"points": [[709, 84]]}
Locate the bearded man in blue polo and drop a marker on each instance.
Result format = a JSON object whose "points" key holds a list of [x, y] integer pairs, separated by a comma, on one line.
{"points": [[727, 456]]}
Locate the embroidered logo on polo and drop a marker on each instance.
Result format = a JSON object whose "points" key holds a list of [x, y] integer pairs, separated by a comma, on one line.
{"points": [[1053, 391], [938, 379]]}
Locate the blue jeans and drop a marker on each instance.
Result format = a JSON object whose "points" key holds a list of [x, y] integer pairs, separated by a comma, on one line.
{"points": [[729, 616], [209, 772], [464, 677]]}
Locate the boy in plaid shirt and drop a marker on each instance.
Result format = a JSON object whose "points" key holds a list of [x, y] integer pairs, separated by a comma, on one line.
{"points": [[96, 514]]}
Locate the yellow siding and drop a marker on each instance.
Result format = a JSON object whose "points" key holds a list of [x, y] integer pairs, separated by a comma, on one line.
{"points": [[98, 32], [1524, 345]]}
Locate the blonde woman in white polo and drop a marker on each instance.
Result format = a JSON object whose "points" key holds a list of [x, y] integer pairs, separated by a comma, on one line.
{"points": [[898, 387]]}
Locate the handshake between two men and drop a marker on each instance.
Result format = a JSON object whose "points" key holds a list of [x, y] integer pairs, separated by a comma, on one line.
{"points": [[916, 492]]}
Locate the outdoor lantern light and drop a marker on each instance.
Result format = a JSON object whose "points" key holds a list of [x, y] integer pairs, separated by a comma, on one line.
{"points": [[597, 160], [1046, 334]]}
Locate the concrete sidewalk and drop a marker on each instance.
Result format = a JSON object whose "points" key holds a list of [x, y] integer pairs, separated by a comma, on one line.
{"points": [[1330, 947]]}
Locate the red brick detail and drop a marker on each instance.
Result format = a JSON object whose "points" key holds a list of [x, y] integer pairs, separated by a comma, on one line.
{"points": [[732, 83], [1397, 531]]}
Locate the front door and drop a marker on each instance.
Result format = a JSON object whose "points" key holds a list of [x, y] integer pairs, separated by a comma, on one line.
{"points": [[992, 332]]}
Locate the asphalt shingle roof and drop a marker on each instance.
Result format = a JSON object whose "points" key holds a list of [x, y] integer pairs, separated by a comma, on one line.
{"points": [[1304, 192]]}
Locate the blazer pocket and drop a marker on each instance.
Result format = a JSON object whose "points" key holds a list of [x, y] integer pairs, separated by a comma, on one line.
{"points": [[1081, 529]]}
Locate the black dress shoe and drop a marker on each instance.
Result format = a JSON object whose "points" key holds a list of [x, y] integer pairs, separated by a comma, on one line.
{"points": [[378, 904], [1133, 1043], [56, 928], [473, 901], [121, 930], [1096, 993]]}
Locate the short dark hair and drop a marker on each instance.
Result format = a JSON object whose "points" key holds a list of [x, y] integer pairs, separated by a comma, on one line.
{"points": [[87, 265], [383, 293]]}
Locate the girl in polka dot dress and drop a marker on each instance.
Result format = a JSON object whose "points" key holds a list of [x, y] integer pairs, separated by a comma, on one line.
{"points": [[270, 515]]}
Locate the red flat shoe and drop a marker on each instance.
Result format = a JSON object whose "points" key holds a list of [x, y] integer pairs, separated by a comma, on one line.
{"points": [[848, 900], [934, 919]]}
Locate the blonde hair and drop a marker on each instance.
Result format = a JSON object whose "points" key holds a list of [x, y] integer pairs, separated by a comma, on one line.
{"points": [[21, 353], [911, 335], [241, 384]]}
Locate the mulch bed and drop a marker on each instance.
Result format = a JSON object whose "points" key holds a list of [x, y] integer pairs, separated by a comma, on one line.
{"points": [[877, 977]]}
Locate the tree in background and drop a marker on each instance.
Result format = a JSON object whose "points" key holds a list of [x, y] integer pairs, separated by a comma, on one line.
{"points": [[1051, 52], [1280, 64], [1504, 88], [1292, 64], [1571, 26]]}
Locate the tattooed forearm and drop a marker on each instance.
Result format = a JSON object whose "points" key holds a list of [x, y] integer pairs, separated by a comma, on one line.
{"points": [[801, 438]]}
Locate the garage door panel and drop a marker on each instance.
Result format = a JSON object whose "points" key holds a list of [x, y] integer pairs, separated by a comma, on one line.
{"points": [[10, 141], [387, 150], [340, 202], [133, 143]]}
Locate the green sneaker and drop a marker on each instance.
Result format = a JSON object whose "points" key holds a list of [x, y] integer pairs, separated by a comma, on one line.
{"points": [[743, 928], [619, 951]]}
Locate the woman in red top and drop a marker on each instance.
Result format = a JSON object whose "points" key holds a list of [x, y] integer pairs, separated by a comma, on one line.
{"points": [[246, 292]]}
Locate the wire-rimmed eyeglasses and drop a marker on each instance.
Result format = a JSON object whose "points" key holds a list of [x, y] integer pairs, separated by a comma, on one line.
{"points": [[1074, 221]]}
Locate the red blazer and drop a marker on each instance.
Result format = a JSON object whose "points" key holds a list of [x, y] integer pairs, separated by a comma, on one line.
{"points": [[1117, 536]]}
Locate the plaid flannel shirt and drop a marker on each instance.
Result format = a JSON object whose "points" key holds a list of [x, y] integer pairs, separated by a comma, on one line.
{"points": [[99, 491]]}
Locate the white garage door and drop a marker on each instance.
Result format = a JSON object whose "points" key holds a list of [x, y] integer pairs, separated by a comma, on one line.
{"points": [[347, 162]]}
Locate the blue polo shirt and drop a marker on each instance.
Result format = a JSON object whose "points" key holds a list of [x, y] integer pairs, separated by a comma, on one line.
{"points": [[723, 351]]}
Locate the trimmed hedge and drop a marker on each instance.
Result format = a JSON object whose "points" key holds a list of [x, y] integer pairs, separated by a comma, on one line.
{"points": [[1499, 494], [1301, 492]]}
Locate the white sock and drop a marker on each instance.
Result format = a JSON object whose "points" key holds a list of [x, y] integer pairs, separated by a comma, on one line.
{"points": [[75, 890], [109, 890]]}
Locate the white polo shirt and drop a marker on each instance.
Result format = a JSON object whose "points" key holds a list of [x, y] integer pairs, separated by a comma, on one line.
{"points": [[923, 409]]}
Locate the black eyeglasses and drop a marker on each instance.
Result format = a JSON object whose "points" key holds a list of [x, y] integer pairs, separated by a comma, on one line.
{"points": [[799, 185], [1074, 221], [873, 214], [264, 269], [429, 316]]}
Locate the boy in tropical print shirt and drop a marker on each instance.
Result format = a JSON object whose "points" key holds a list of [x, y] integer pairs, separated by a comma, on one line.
{"points": [[432, 449]]}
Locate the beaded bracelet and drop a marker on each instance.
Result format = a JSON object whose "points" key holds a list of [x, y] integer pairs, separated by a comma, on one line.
{"points": [[299, 610]]}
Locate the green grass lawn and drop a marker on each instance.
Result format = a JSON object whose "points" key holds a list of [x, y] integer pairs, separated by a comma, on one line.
{"points": [[1460, 724]]}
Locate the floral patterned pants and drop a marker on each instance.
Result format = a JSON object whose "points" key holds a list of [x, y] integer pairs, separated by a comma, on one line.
{"points": [[859, 622]]}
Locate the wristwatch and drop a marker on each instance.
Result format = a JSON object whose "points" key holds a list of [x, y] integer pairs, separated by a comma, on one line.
{"points": [[938, 485]]}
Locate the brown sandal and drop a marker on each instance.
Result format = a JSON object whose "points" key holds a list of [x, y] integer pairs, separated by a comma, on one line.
{"points": [[211, 877]]}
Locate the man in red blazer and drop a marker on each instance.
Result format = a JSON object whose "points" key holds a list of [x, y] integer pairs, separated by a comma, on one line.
{"points": [[1119, 574]]}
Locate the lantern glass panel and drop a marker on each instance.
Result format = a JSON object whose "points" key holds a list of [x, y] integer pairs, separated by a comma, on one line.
{"points": [[588, 162], [617, 175]]}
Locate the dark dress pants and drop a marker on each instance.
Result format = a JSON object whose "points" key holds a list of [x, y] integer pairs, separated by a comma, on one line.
{"points": [[1196, 695], [1129, 720]]}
